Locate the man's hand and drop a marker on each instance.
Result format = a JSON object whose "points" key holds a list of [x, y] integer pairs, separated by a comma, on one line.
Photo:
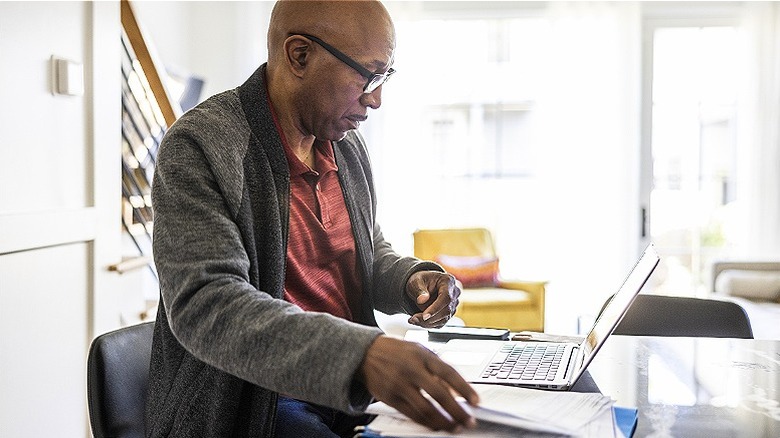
{"points": [[396, 371], [436, 294]]}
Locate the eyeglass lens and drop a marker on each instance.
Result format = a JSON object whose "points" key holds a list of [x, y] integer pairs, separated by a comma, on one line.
{"points": [[377, 80]]}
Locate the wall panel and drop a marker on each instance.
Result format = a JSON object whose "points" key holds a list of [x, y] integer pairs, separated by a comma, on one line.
{"points": [[44, 324]]}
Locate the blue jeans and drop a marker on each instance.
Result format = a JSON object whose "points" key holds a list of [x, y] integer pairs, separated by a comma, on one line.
{"points": [[295, 418]]}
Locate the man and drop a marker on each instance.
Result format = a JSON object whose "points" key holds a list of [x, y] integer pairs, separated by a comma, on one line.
{"points": [[269, 256]]}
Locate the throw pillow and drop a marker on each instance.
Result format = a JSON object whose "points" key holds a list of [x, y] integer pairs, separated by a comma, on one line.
{"points": [[471, 271]]}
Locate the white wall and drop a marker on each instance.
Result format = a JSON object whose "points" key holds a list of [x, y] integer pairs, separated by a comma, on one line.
{"points": [[37, 129], [222, 42]]}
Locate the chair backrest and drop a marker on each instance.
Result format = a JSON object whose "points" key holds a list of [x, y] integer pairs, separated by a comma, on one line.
{"points": [[117, 381], [429, 244], [659, 315]]}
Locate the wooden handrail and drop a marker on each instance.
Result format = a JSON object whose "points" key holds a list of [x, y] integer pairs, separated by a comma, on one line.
{"points": [[149, 63]]}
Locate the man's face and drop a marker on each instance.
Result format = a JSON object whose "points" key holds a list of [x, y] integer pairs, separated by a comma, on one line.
{"points": [[334, 102]]}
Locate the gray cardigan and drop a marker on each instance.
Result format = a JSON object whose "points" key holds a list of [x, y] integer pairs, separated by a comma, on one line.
{"points": [[225, 341]]}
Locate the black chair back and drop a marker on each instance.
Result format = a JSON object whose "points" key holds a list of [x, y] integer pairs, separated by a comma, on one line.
{"points": [[117, 381], [659, 315]]}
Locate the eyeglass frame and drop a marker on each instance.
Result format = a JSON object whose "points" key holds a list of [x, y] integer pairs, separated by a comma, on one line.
{"points": [[375, 80]]}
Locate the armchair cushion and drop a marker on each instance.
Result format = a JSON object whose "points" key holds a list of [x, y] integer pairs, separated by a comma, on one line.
{"points": [[758, 285], [471, 271]]}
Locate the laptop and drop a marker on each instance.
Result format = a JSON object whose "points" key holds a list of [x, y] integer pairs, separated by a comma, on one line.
{"points": [[546, 365]]}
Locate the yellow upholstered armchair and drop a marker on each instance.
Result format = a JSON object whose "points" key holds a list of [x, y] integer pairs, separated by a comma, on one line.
{"points": [[487, 300]]}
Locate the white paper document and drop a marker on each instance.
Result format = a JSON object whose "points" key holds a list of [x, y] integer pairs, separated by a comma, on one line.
{"points": [[503, 410]]}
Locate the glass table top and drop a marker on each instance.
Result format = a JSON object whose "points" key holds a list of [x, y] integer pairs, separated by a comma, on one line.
{"points": [[694, 387]]}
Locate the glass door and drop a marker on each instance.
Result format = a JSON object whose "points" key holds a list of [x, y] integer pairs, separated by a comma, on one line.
{"points": [[693, 85]]}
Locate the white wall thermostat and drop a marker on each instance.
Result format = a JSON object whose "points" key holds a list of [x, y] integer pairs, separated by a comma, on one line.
{"points": [[67, 77]]}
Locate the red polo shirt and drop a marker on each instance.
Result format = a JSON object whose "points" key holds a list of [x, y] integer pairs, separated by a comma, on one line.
{"points": [[322, 274], [321, 260]]}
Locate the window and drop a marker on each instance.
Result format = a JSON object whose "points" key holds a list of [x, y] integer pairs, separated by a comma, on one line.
{"points": [[478, 91], [522, 120], [481, 140], [694, 149]]}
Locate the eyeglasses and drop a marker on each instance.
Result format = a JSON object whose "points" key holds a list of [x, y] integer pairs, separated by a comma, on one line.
{"points": [[375, 80]]}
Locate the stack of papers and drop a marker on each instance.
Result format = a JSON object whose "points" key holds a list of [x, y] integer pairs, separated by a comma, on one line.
{"points": [[507, 411]]}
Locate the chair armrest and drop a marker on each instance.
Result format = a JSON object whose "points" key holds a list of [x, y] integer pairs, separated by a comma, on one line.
{"points": [[536, 289]]}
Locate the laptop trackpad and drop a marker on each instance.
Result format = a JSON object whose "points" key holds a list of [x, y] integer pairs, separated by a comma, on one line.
{"points": [[469, 357]]}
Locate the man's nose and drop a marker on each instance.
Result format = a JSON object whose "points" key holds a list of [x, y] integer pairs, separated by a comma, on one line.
{"points": [[373, 99]]}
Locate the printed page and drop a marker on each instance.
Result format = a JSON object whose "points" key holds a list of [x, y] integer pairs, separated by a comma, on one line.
{"points": [[567, 413]]}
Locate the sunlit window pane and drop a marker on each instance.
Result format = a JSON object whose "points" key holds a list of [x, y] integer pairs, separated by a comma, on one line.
{"points": [[694, 149]]}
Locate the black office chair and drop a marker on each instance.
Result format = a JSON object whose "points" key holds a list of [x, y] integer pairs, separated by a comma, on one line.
{"points": [[658, 315], [117, 380]]}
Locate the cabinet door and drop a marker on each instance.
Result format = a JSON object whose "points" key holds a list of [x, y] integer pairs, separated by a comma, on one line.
{"points": [[44, 321]]}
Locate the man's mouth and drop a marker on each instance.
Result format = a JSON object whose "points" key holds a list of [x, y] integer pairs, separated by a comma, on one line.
{"points": [[356, 120]]}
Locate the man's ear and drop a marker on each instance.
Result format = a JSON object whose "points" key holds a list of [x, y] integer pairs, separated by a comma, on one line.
{"points": [[297, 54]]}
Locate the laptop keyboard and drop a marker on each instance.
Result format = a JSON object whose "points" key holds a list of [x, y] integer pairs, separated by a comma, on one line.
{"points": [[525, 362]]}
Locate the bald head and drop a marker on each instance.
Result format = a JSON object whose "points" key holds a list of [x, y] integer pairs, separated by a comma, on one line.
{"points": [[322, 57], [344, 24]]}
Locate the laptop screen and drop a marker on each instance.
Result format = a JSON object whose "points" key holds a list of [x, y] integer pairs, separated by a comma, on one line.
{"points": [[616, 308]]}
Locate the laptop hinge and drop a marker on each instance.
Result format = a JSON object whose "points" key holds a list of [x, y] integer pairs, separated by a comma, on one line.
{"points": [[574, 358]]}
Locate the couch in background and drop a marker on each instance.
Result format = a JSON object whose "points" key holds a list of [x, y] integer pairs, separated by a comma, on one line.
{"points": [[755, 285]]}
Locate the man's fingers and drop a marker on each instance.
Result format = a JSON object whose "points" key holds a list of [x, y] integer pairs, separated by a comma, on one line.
{"points": [[434, 314], [422, 411], [444, 397], [439, 312], [436, 320], [399, 373], [436, 294], [442, 383], [454, 380], [417, 287]]}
